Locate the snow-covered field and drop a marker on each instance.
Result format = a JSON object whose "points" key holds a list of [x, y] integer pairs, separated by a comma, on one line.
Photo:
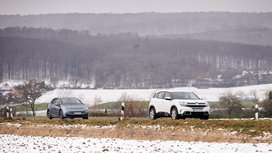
{"points": [[210, 94], [14, 143], [112, 95]]}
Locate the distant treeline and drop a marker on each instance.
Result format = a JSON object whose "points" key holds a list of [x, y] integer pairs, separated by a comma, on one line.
{"points": [[128, 60], [143, 23]]}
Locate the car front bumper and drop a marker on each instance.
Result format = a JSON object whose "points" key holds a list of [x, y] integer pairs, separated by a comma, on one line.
{"points": [[76, 114], [196, 111]]}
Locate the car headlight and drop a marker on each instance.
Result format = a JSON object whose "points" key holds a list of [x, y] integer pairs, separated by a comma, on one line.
{"points": [[65, 108]]}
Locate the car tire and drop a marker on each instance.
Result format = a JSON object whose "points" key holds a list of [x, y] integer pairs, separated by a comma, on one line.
{"points": [[49, 115], [182, 117], [206, 117], [61, 114], [85, 118], [174, 113], [152, 113]]}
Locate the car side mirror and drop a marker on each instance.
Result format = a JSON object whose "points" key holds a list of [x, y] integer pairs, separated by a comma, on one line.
{"points": [[167, 98]]}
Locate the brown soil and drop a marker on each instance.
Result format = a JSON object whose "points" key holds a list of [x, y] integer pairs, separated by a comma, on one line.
{"points": [[138, 133]]}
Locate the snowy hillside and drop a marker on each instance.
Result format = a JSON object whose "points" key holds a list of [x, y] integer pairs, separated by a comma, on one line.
{"points": [[210, 94]]}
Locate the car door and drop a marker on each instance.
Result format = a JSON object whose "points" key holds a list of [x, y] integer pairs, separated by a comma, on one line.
{"points": [[167, 103], [159, 101], [51, 107], [54, 108], [57, 107]]}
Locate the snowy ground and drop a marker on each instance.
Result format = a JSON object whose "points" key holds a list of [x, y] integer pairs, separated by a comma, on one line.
{"points": [[14, 143], [210, 94]]}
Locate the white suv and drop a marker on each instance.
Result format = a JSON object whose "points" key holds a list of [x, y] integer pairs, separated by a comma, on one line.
{"points": [[178, 104]]}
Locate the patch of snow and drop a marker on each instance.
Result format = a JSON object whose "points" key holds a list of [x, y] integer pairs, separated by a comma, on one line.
{"points": [[25, 113], [12, 83], [71, 126], [14, 143], [17, 125], [237, 76], [244, 73]]}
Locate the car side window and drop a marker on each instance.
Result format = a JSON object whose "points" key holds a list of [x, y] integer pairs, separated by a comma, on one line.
{"points": [[160, 95], [167, 94], [53, 102], [57, 102]]}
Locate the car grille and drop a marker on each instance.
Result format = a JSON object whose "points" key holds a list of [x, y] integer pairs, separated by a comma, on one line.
{"points": [[77, 108], [196, 106]]}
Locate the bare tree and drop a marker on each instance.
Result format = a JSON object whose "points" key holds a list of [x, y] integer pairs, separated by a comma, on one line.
{"points": [[254, 96], [30, 92], [6, 100], [231, 103], [97, 101], [54, 82], [2, 99], [75, 82]]}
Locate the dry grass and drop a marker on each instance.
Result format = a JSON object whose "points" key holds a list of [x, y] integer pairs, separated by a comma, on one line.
{"points": [[144, 129]]}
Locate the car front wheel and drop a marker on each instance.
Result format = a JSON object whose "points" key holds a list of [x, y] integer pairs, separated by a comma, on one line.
{"points": [[206, 117], [152, 113], [49, 115], [174, 114]]}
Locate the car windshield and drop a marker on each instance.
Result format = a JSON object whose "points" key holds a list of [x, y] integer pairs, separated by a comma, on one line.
{"points": [[184, 95], [70, 101]]}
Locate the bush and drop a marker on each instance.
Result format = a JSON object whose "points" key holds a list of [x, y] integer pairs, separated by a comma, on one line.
{"points": [[134, 107], [267, 107]]}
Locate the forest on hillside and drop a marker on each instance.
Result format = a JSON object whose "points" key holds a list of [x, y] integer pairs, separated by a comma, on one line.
{"points": [[128, 60]]}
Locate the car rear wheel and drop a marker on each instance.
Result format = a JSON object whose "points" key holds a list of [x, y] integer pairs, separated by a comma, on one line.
{"points": [[206, 117], [152, 113], [85, 118], [174, 114], [49, 115]]}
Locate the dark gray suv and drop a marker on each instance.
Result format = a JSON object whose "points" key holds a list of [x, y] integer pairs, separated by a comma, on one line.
{"points": [[68, 107]]}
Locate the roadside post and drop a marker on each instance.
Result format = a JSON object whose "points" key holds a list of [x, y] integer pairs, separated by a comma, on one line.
{"points": [[122, 111], [256, 112], [8, 112], [11, 112]]}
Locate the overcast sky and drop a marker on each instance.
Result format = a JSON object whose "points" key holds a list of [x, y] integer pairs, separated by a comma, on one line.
{"points": [[131, 6]]}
